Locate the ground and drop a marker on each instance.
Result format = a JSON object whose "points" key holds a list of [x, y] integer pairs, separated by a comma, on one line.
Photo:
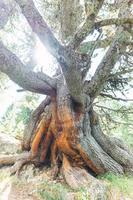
{"points": [[37, 184], [33, 184]]}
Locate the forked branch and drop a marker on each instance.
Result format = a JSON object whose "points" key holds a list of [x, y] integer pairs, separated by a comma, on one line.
{"points": [[103, 70], [88, 25], [40, 27]]}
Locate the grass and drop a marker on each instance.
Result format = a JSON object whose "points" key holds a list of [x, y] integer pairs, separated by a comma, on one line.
{"points": [[60, 191], [3, 175], [52, 191], [122, 182]]}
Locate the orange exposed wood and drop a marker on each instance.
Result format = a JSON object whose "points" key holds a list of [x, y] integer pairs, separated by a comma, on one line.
{"points": [[68, 130], [42, 127], [45, 145], [64, 133], [54, 151]]}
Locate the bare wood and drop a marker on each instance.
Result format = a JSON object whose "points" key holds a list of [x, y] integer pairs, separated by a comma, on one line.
{"points": [[30, 128], [41, 129]]}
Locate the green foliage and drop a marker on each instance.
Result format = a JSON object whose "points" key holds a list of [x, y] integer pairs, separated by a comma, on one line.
{"points": [[17, 115], [52, 191], [59, 191], [3, 175], [23, 115], [83, 194], [122, 182], [117, 119]]}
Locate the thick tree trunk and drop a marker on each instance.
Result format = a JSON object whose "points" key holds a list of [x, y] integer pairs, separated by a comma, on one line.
{"points": [[68, 136], [64, 131]]}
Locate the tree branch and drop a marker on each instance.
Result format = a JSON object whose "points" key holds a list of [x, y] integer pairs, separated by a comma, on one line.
{"points": [[114, 98], [88, 25], [20, 74], [87, 46], [116, 21], [104, 43], [40, 27], [120, 110], [102, 72], [107, 41]]}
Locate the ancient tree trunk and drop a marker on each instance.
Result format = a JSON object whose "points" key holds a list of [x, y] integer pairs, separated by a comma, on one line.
{"points": [[68, 136], [64, 131]]}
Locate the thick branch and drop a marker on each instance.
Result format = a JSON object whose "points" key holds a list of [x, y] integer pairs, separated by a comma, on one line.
{"points": [[116, 21], [42, 30], [40, 27], [102, 72], [20, 74], [88, 25]]}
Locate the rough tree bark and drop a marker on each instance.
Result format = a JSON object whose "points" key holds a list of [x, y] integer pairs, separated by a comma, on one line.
{"points": [[64, 131]]}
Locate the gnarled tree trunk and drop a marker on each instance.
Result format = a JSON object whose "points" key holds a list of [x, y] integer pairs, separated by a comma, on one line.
{"points": [[64, 131], [68, 136]]}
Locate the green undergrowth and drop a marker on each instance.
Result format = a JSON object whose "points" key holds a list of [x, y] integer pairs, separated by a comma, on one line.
{"points": [[123, 183], [52, 191], [60, 191], [47, 189], [3, 175]]}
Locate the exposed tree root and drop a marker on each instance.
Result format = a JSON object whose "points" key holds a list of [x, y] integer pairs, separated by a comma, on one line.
{"points": [[73, 143], [15, 169], [41, 130], [114, 147], [74, 176], [18, 161], [11, 159]]}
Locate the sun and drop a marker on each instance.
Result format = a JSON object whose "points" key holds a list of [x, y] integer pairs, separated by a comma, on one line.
{"points": [[45, 61]]}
